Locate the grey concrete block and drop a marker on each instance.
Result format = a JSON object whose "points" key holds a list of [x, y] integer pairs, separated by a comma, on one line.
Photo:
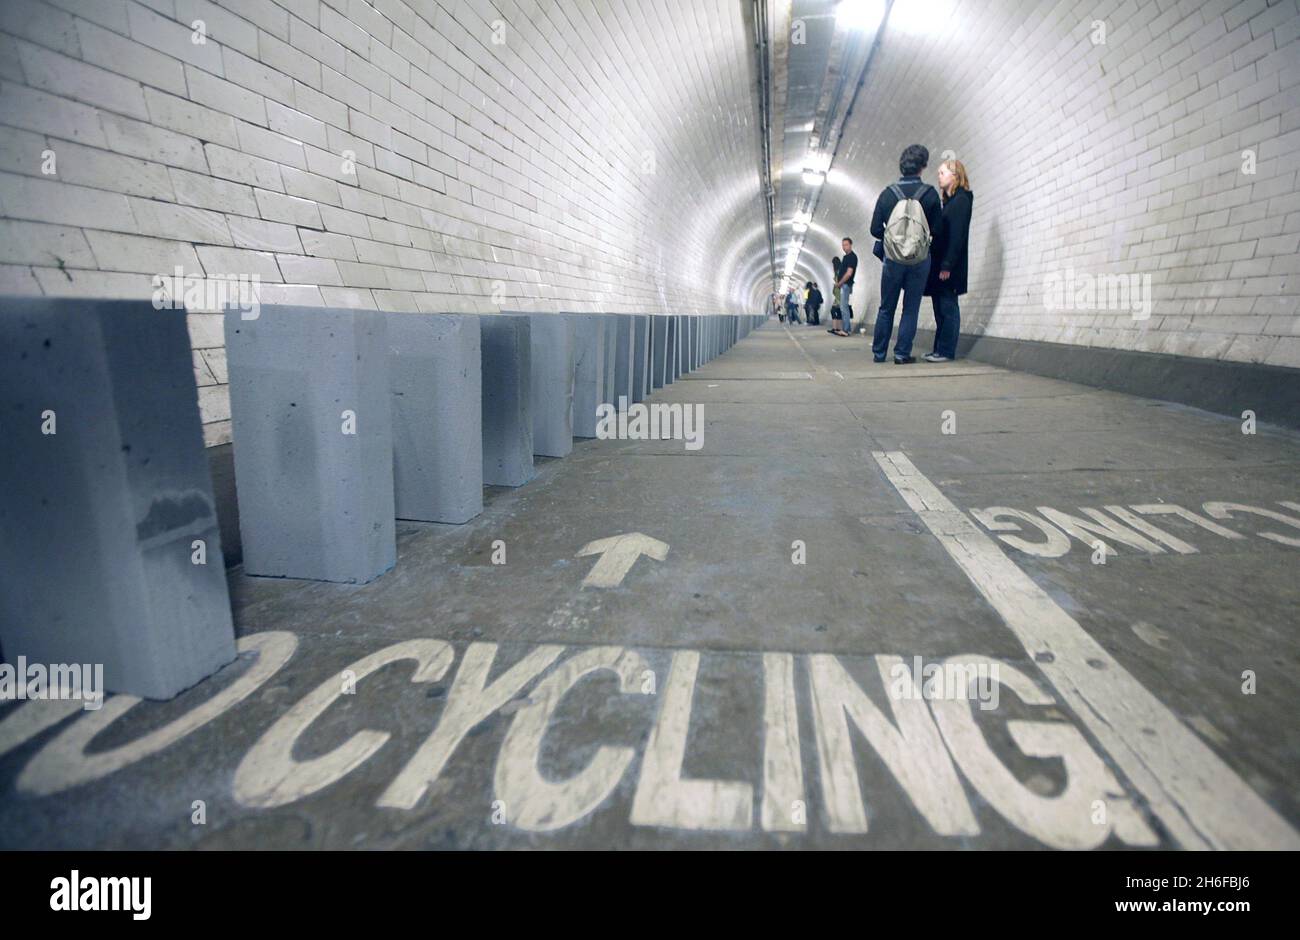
{"points": [[552, 384], [641, 358], [436, 388], [679, 357], [588, 371], [670, 354], [312, 429], [625, 358], [658, 349], [609, 394], [98, 518], [507, 399]]}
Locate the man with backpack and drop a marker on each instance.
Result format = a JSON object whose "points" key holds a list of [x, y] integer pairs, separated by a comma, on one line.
{"points": [[791, 306], [906, 215]]}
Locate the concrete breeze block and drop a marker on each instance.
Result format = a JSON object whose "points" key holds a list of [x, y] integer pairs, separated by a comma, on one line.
{"points": [[315, 501], [435, 380], [552, 383], [670, 353], [588, 332], [609, 371], [659, 350], [625, 358], [641, 358], [507, 399], [100, 516], [679, 345]]}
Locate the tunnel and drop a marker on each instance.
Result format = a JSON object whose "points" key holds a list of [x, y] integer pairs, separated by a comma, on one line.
{"points": [[651, 425]]}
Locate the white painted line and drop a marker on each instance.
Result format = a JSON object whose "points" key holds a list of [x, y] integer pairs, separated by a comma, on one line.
{"points": [[539, 803], [618, 554], [270, 776], [31, 718], [910, 746], [663, 796], [1199, 799], [783, 794], [68, 761], [472, 700]]}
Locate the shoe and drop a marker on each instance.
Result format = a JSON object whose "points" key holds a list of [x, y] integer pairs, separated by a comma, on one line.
{"points": [[903, 360], [877, 358], [935, 357]]}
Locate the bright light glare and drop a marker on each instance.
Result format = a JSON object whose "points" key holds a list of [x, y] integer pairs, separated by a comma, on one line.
{"points": [[817, 162], [919, 16], [861, 14], [812, 178]]}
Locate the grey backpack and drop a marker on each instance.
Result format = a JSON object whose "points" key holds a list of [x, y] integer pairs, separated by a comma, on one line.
{"points": [[907, 233]]}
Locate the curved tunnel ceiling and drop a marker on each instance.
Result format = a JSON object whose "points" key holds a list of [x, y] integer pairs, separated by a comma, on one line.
{"points": [[617, 156], [1100, 144]]}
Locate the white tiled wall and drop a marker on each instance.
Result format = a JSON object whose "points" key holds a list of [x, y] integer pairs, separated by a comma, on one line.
{"points": [[1119, 157], [546, 155]]}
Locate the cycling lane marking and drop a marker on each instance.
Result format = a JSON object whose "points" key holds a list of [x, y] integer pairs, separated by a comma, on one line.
{"points": [[1200, 800]]}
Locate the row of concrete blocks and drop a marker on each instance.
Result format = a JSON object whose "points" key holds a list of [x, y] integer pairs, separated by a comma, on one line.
{"points": [[343, 421]]}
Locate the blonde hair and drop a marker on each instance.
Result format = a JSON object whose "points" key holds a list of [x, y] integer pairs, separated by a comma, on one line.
{"points": [[958, 170]]}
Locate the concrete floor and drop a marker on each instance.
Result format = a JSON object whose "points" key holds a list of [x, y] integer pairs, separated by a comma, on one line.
{"points": [[737, 665]]}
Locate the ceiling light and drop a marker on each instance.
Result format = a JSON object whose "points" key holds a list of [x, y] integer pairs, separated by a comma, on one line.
{"points": [[920, 16], [817, 162], [860, 14]]}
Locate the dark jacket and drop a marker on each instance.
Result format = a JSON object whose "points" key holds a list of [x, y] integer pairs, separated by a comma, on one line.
{"points": [[815, 298], [908, 184], [948, 249]]}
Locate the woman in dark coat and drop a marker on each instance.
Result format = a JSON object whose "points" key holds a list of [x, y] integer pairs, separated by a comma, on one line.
{"points": [[947, 279]]}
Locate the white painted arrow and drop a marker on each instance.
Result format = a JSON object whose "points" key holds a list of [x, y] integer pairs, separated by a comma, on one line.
{"points": [[618, 554]]}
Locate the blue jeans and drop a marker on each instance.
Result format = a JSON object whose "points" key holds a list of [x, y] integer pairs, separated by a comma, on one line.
{"points": [[947, 323], [846, 312], [909, 280]]}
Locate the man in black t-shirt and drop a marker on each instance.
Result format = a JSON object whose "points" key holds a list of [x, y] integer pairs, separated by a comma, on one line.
{"points": [[848, 268]]}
